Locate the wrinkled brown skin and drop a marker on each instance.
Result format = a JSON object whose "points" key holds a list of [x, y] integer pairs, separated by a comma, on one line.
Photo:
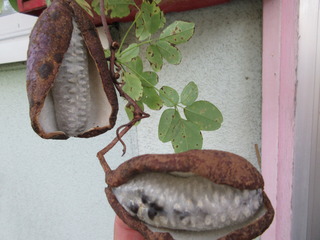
{"points": [[217, 166], [49, 41]]}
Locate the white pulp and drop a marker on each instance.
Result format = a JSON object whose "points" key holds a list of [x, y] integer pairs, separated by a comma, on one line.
{"points": [[186, 203], [71, 89]]}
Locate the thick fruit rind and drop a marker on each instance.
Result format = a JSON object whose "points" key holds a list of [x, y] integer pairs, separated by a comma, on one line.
{"points": [[218, 166], [49, 41]]}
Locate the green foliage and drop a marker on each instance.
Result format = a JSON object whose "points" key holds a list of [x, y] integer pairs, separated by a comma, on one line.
{"points": [[178, 32], [204, 114], [168, 122], [185, 134], [154, 57], [150, 20], [1, 5], [128, 54], [169, 96], [132, 86], [14, 4], [169, 52], [86, 6], [114, 8], [181, 128], [151, 98], [189, 94]]}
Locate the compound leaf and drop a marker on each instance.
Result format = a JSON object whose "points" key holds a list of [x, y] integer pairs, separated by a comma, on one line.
{"points": [[204, 114]]}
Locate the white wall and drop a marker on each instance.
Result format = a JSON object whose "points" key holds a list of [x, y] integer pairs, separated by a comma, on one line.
{"points": [[224, 59], [54, 189]]}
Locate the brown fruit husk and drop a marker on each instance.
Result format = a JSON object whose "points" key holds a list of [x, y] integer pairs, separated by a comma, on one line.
{"points": [[217, 166], [49, 41]]}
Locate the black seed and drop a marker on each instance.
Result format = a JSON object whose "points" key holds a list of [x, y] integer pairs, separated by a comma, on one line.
{"points": [[177, 212], [156, 207], [144, 199], [133, 207], [152, 213], [182, 215]]}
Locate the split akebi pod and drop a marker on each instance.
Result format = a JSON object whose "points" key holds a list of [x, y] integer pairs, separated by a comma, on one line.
{"points": [[69, 86], [199, 194]]}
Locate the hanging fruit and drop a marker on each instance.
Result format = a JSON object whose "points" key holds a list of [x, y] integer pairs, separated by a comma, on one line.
{"points": [[199, 194], [70, 90]]}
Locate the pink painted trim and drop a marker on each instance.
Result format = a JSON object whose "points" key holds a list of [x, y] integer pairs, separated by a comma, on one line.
{"points": [[270, 103], [278, 90]]}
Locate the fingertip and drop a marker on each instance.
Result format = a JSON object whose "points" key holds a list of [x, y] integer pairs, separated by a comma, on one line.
{"points": [[123, 232]]}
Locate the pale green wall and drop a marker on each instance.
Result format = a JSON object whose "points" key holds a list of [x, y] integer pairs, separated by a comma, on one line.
{"points": [[53, 190], [48, 189]]}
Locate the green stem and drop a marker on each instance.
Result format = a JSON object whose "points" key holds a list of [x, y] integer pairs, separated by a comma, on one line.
{"points": [[129, 29]]}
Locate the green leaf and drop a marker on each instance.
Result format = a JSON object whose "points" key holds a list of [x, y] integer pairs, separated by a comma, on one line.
{"points": [[151, 16], [169, 52], [48, 3], [141, 30], [132, 86], [128, 54], [168, 121], [95, 4], [189, 94], [169, 96], [150, 20], [107, 53], [135, 65], [86, 6], [118, 8], [14, 5], [151, 98], [129, 110], [154, 57], [204, 114], [187, 136], [1, 5], [178, 32], [149, 79]]}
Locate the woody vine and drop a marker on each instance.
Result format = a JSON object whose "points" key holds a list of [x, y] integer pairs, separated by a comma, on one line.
{"points": [[63, 104], [139, 87]]}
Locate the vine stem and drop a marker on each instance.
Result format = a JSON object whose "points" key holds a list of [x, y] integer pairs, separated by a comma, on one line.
{"points": [[112, 45], [138, 114], [131, 26]]}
